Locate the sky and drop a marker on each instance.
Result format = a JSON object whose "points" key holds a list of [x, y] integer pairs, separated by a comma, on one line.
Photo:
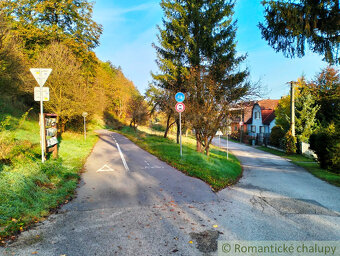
{"points": [[130, 28]]}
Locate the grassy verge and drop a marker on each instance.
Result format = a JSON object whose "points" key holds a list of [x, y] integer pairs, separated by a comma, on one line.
{"points": [[30, 190], [214, 169], [309, 164]]}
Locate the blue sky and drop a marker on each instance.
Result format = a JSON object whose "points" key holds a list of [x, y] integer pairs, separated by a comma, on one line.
{"points": [[130, 29]]}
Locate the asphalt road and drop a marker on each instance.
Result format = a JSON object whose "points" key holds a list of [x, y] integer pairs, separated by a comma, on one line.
{"points": [[146, 207]]}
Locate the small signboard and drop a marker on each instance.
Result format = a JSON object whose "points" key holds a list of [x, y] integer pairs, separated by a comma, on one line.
{"points": [[180, 97], [41, 75], [45, 92], [180, 107], [51, 142], [219, 133], [241, 123], [51, 133]]}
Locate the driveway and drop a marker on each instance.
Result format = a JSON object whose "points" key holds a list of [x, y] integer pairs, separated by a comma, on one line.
{"points": [[131, 203]]}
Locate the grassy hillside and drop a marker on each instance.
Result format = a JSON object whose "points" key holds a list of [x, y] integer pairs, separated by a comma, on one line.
{"points": [[30, 190]]}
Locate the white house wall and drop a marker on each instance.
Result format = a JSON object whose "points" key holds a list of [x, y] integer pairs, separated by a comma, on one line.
{"points": [[257, 122], [271, 125]]}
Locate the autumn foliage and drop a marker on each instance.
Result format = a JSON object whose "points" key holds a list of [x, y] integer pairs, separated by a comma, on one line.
{"points": [[59, 35]]}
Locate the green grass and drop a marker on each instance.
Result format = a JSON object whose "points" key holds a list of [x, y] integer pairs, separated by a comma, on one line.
{"points": [[214, 169], [30, 190], [309, 164]]}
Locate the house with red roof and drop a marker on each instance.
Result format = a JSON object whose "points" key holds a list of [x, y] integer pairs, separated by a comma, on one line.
{"points": [[243, 113], [262, 118]]}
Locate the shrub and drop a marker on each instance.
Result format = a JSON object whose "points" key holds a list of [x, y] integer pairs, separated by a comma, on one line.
{"points": [[235, 135], [325, 143], [290, 143], [276, 136], [158, 127]]}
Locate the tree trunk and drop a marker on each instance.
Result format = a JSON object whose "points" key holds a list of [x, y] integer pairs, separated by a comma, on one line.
{"points": [[167, 126], [198, 144], [63, 124], [207, 144], [177, 137], [207, 148]]}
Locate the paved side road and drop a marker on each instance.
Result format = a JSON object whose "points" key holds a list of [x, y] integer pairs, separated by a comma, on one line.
{"points": [[146, 207]]}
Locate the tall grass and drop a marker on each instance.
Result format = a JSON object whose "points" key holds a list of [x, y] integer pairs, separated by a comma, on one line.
{"points": [[29, 189]]}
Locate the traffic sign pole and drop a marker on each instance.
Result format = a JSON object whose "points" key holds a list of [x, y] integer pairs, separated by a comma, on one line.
{"points": [[42, 127], [85, 128], [41, 75], [227, 146], [180, 133], [180, 107]]}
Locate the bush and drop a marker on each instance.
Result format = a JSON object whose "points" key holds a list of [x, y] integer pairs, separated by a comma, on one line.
{"points": [[276, 136], [158, 127], [235, 135], [325, 143], [290, 143]]}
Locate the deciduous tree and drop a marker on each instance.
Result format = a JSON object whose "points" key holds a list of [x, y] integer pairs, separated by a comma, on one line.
{"points": [[69, 96], [39, 23], [138, 111]]}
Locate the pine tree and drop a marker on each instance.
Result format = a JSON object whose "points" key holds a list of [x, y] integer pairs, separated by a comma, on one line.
{"points": [[305, 113], [306, 110], [290, 24], [197, 55]]}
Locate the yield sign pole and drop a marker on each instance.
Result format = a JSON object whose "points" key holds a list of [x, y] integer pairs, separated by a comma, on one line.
{"points": [[41, 75]]}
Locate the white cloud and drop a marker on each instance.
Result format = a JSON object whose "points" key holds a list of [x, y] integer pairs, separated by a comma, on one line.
{"points": [[105, 15]]}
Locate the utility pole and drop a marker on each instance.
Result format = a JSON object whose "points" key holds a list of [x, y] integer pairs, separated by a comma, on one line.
{"points": [[292, 108]]}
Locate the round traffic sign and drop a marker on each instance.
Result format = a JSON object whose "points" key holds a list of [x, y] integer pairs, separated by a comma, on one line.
{"points": [[180, 97], [84, 114], [180, 107]]}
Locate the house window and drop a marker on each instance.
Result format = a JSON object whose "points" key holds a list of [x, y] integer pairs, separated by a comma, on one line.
{"points": [[235, 128], [253, 128], [257, 115], [261, 129]]}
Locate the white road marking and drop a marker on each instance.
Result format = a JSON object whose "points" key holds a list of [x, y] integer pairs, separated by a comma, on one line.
{"points": [[105, 168], [122, 157], [148, 166]]}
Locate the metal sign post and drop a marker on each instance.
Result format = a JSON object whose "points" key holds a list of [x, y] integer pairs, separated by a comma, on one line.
{"points": [[180, 107], [241, 123], [227, 146], [180, 134], [41, 75], [219, 133], [84, 115]]}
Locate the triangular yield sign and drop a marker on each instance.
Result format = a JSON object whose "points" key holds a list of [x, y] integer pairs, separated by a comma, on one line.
{"points": [[105, 168], [41, 74]]}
